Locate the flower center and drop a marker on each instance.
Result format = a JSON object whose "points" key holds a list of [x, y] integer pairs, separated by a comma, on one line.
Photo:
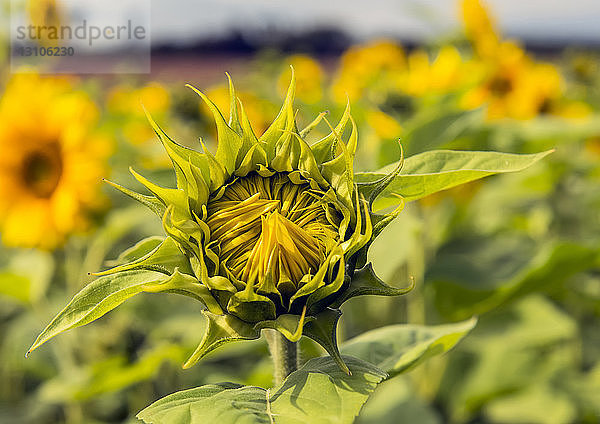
{"points": [[501, 85], [41, 170], [269, 231]]}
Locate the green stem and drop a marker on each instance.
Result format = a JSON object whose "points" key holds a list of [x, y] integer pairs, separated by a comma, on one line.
{"points": [[284, 354]]}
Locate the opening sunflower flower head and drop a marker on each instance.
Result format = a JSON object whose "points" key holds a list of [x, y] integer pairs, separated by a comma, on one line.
{"points": [[269, 232]]}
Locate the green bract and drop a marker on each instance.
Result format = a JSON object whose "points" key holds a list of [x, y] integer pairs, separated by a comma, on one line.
{"points": [[270, 232]]}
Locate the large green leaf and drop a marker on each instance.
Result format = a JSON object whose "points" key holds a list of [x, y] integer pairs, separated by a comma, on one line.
{"points": [[396, 401], [437, 170], [317, 393], [398, 348], [106, 293], [109, 375], [531, 345], [474, 277]]}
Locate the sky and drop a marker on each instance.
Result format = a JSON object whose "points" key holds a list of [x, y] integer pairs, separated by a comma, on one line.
{"points": [[185, 21], [180, 20]]}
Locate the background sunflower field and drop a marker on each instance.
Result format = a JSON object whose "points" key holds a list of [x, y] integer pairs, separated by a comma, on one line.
{"points": [[519, 251]]}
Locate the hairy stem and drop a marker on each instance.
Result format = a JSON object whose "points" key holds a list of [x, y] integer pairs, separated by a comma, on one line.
{"points": [[284, 354]]}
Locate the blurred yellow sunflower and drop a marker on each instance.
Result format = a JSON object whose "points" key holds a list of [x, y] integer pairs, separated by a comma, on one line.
{"points": [[480, 27], [511, 83], [447, 72], [375, 67], [514, 85], [51, 163]]}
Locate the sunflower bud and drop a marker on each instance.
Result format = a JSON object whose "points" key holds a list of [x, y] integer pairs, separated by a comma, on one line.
{"points": [[272, 228]]}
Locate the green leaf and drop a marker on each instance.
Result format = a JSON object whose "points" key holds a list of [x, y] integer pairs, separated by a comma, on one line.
{"points": [[437, 170], [530, 343], [398, 348], [317, 393], [106, 293], [495, 272], [223, 403]]}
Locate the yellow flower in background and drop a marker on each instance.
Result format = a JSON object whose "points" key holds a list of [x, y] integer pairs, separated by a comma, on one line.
{"points": [[377, 69], [447, 72], [375, 66], [126, 101], [511, 83], [515, 86], [51, 164], [45, 13], [480, 27], [310, 78]]}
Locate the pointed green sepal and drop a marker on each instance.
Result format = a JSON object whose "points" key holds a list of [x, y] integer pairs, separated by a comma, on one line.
{"points": [[168, 196], [375, 188], [306, 130], [290, 325], [221, 329], [324, 149], [365, 282], [251, 306], [234, 121], [323, 330], [189, 286], [281, 122], [382, 221], [180, 155], [229, 143], [150, 202]]}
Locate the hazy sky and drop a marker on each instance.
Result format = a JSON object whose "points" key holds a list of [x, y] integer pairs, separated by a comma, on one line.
{"points": [[181, 19], [184, 20]]}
